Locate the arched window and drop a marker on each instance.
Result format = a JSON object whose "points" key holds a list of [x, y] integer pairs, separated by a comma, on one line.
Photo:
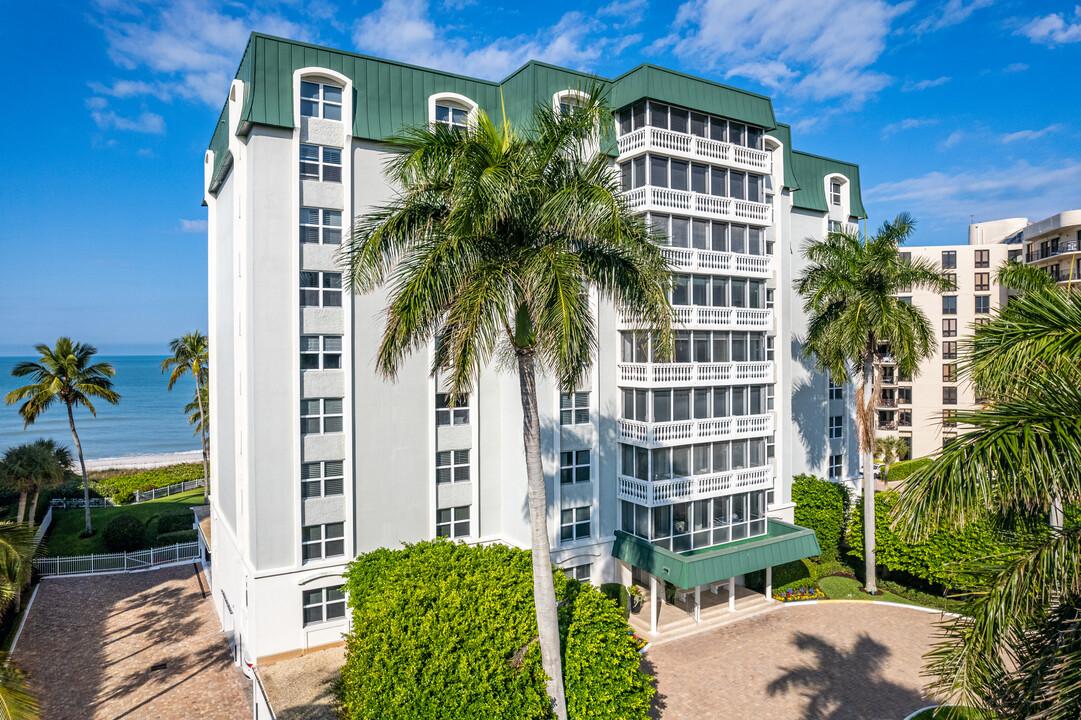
{"points": [[451, 109], [321, 100], [565, 101]]}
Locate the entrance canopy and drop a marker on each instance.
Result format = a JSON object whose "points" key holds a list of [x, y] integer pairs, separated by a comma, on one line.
{"points": [[782, 543]]}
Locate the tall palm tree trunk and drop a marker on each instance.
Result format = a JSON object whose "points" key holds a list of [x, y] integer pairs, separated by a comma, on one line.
{"points": [[544, 594], [22, 507], [34, 506], [82, 466], [867, 450], [202, 437]]}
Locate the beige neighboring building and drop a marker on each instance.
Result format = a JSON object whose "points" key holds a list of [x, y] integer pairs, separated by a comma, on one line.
{"points": [[1054, 244]]}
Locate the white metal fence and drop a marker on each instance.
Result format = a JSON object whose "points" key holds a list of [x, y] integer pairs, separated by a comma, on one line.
{"points": [[117, 562], [44, 526], [65, 503], [173, 489]]}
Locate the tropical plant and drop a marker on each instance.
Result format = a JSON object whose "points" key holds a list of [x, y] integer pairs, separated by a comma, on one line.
{"points": [[20, 470], [196, 418], [849, 290], [492, 248], [1015, 650], [65, 374], [56, 471], [822, 506], [191, 354], [16, 701], [889, 449]]}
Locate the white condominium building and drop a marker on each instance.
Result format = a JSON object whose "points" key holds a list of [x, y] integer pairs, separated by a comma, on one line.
{"points": [[678, 471]]}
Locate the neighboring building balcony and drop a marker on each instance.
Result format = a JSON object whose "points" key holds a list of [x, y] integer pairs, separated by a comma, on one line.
{"points": [[665, 200], [693, 147], [1064, 247], [680, 432], [695, 487], [715, 318], [887, 402], [887, 359], [739, 264], [649, 374]]}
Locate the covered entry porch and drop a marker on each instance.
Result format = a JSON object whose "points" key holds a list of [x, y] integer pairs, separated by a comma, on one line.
{"points": [[706, 580]]}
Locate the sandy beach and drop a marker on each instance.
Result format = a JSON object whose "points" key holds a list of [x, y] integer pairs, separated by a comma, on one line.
{"points": [[127, 462]]}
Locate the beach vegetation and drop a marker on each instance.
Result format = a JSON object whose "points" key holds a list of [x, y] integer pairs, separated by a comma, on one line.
{"points": [[121, 488]]}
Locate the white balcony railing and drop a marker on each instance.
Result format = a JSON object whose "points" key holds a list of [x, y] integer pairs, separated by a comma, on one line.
{"points": [[659, 434], [693, 147], [645, 374], [666, 200], [720, 318], [696, 487], [710, 260]]}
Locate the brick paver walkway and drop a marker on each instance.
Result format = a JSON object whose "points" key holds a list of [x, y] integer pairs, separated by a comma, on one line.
{"points": [[835, 661], [92, 648]]}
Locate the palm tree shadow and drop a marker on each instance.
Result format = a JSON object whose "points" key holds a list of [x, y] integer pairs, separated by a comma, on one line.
{"points": [[841, 684]]}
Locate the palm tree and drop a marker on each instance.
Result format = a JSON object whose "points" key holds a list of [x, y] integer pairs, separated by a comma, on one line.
{"points": [[199, 400], [850, 291], [20, 468], [65, 373], [191, 353], [1015, 649], [490, 250], [56, 474], [17, 552], [888, 450], [16, 701]]}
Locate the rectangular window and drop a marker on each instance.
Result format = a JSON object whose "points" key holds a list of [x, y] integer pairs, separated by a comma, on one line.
{"points": [[322, 541], [323, 604], [452, 523], [950, 277], [983, 282], [949, 259], [320, 416], [983, 258], [949, 350], [836, 467], [835, 193], [836, 390], [836, 426], [451, 413], [581, 573], [322, 479], [451, 466], [949, 327], [320, 226], [949, 395], [980, 321], [736, 185], [320, 289], [319, 100], [949, 304], [318, 162], [904, 396], [574, 524], [574, 467], [454, 117], [574, 408], [983, 304], [320, 352], [949, 372]]}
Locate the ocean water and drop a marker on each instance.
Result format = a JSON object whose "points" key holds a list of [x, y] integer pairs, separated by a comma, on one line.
{"points": [[149, 419]]}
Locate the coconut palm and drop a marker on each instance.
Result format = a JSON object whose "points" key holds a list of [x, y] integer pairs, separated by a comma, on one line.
{"points": [[888, 450], [489, 250], [57, 471], [65, 374], [20, 468], [196, 418], [850, 291], [191, 354], [1015, 650], [16, 701]]}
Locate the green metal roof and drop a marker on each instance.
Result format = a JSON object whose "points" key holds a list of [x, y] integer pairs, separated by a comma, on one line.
{"points": [[811, 170], [782, 543], [395, 95]]}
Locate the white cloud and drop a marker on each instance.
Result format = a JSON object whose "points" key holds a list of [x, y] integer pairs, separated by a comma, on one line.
{"points": [[907, 124], [1015, 67], [955, 137], [193, 226], [146, 152], [1020, 190], [911, 86], [1054, 29], [817, 49], [625, 13], [1028, 134], [96, 103], [404, 30], [148, 122], [133, 88], [953, 12]]}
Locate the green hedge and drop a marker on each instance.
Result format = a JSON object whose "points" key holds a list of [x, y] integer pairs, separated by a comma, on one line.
{"points": [[822, 506], [901, 470], [794, 575], [156, 478], [444, 630], [172, 538], [934, 560], [124, 533], [617, 592], [174, 521]]}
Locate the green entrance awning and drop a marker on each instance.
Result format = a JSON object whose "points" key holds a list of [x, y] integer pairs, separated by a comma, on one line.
{"points": [[783, 542]]}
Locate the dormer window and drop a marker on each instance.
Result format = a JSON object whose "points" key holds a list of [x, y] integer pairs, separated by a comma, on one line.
{"points": [[835, 193], [453, 116], [321, 101]]}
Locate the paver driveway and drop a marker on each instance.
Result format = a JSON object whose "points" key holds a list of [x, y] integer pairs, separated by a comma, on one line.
{"points": [[92, 648], [835, 661]]}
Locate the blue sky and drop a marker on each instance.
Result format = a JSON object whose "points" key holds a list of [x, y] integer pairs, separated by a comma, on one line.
{"points": [[953, 109]]}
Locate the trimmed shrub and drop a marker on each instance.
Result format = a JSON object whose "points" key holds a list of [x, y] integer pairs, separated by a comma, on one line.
{"points": [[822, 506], [617, 592], [172, 538], [174, 521], [793, 575], [441, 630], [124, 533], [124, 498], [901, 470]]}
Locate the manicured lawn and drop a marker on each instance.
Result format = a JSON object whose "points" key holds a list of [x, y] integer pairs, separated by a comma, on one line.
{"points": [[844, 588], [954, 713], [69, 524]]}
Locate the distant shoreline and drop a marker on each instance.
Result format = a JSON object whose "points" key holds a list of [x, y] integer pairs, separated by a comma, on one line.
{"points": [[131, 462]]}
